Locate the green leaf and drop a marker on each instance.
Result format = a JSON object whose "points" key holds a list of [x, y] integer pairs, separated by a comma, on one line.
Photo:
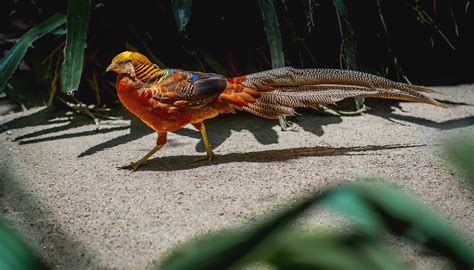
{"points": [[323, 250], [12, 59], [182, 13], [272, 29], [225, 249], [376, 207], [78, 15], [462, 154], [14, 254]]}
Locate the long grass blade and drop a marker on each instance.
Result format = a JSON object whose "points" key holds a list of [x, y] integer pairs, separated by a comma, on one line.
{"points": [[349, 45], [78, 15], [12, 59], [272, 29]]}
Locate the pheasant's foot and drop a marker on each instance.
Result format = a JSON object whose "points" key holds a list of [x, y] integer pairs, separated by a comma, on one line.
{"points": [[133, 166], [287, 125]]}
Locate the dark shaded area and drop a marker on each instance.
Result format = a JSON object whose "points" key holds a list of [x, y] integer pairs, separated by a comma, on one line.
{"points": [[394, 39], [386, 108], [219, 128], [448, 102], [37, 220], [137, 130], [44, 118], [39, 118], [72, 135]]}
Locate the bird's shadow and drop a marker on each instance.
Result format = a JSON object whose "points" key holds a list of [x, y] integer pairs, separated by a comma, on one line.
{"points": [[185, 162], [263, 130], [38, 118], [61, 125], [386, 109]]}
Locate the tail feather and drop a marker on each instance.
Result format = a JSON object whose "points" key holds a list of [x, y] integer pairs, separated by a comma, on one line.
{"points": [[281, 90], [420, 88], [269, 111]]}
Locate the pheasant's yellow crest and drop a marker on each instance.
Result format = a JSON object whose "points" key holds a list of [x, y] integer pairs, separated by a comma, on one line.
{"points": [[133, 57]]}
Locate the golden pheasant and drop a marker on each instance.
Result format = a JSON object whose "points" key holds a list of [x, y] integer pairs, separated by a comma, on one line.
{"points": [[168, 99]]}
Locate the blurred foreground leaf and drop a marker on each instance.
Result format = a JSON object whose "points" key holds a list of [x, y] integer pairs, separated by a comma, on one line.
{"points": [[182, 13], [14, 254], [78, 14], [297, 250], [462, 155], [374, 207], [12, 59], [225, 249]]}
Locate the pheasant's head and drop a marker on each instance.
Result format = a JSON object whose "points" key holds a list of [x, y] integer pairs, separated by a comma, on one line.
{"points": [[126, 62]]}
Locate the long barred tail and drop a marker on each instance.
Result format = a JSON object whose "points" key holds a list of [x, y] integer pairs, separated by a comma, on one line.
{"points": [[281, 90]]}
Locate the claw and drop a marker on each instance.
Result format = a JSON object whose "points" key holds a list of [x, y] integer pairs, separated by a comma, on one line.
{"points": [[133, 166], [200, 126]]}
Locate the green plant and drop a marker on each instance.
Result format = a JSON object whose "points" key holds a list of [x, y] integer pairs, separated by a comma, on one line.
{"points": [[77, 21], [190, 42], [78, 14], [11, 61]]}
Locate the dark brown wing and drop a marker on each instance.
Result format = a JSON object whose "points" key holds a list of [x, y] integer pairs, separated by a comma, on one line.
{"points": [[194, 89]]}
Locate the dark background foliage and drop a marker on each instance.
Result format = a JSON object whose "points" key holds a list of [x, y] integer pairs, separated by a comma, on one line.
{"points": [[428, 41]]}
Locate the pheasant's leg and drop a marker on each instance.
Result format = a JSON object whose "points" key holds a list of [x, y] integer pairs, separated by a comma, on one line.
{"points": [[286, 125], [201, 127], [160, 142]]}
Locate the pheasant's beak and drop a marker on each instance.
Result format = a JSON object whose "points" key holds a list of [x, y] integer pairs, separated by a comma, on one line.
{"points": [[111, 67]]}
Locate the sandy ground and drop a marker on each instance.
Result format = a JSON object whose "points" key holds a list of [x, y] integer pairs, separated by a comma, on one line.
{"points": [[62, 190]]}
